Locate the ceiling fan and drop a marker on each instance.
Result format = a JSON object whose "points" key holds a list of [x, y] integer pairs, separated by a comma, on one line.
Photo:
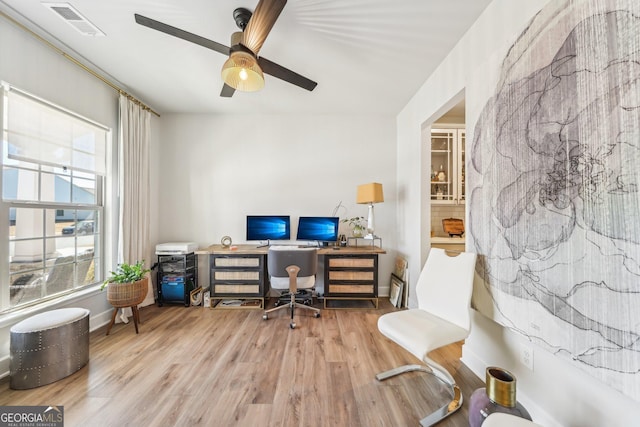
{"points": [[244, 69]]}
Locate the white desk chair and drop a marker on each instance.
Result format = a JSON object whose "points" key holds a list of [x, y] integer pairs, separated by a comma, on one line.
{"points": [[291, 269], [442, 318]]}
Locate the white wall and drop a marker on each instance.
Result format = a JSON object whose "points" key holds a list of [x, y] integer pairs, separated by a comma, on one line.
{"points": [[555, 393], [216, 169]]}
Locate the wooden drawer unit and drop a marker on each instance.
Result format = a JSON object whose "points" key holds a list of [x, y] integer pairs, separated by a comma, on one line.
{"points": [[238, 276], [351, 277]]}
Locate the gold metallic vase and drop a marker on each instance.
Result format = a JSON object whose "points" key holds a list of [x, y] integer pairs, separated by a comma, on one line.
{"points": [[501, 386]]}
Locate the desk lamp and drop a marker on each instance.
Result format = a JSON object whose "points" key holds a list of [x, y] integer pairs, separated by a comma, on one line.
{"points": [[369, 194]]}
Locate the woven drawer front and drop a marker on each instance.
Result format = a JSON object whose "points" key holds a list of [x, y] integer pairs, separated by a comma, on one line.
{"points": [[237, 262], [352, 262], [236, 289], [351, 275], [350, 289], [236, 275]]}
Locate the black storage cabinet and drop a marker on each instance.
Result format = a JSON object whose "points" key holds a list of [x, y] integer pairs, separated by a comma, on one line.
{"points": [[177, 277]]}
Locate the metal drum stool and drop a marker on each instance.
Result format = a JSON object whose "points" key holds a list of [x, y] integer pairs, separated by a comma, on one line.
{"points": [[48, 346]]}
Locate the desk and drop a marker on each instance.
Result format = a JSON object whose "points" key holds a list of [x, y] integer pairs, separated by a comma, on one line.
{"points": [[351, 273]]}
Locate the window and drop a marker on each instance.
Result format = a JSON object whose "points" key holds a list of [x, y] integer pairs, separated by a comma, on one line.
{"points": [[53, 171]]}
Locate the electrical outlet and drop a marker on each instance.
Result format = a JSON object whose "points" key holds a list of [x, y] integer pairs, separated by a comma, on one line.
{"points": [[526, 356]]}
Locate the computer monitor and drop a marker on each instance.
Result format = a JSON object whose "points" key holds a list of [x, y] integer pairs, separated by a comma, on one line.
{"points": [[268, 227], [319, 228]]}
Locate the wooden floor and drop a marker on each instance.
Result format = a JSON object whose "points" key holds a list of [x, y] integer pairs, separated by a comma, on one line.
{"points": [[196, 366]]}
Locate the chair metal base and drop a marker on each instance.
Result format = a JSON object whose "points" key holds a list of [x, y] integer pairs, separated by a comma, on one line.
{"points": [[437, 371], [292, 305], [303, 296]]}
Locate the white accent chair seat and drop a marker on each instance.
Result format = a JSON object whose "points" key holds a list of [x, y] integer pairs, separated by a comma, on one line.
{"points": [[443, 292]]}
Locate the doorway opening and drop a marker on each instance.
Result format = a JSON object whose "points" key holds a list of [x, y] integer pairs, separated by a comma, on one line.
{"points": [[445, 141]]}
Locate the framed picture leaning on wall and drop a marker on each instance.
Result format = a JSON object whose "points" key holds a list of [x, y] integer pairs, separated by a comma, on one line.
{"points": [[395, 290], [401, 272]]}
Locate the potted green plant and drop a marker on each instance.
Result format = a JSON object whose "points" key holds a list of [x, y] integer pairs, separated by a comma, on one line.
{"points": [[127, 287], [127, 273], [357, 224]]}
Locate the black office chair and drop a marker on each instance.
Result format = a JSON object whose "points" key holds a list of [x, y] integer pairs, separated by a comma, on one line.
{"points": [[292, 270]]}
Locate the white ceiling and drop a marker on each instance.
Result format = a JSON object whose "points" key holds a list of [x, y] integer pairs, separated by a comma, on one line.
{"points": [[368, 56]]}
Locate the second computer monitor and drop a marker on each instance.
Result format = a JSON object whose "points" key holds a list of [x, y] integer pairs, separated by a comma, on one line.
{"points": [[319, 228]]}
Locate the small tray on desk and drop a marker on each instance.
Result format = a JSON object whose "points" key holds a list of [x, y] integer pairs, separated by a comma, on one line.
{"points": [[354, 241]]}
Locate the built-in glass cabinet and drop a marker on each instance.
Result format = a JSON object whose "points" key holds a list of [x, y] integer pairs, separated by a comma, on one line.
{"points": [[447, 166]]}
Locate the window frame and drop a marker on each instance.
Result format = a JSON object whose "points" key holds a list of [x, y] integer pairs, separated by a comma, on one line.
{"points": [[100, 202]]}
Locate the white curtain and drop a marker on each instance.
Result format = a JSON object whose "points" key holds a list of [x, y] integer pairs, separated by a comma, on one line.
{"points": [[133, 241]]}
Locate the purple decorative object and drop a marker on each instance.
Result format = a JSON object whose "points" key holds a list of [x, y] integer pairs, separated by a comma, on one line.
{"points": [[498, 396]]}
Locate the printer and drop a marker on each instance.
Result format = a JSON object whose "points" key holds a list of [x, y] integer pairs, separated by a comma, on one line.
{"points": [[176, 248]]}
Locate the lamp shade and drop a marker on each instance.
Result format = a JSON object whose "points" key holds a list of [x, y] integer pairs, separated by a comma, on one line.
{"points": [[370, 193], [242, 72]]}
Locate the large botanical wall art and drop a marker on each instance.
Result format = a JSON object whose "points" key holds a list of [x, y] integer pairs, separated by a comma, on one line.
{"points": [[554, 174]]}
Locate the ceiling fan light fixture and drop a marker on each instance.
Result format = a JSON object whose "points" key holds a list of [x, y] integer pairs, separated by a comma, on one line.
{"points": [[242, 72]]}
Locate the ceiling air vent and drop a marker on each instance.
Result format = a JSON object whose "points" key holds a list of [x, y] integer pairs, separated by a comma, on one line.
{"points": [[74, 18]]}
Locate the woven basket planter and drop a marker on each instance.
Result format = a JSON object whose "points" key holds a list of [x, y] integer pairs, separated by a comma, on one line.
{"points": [[127, 294]]}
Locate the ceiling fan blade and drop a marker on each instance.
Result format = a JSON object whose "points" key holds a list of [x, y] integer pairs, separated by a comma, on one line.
{"points": [[261, 22], [285, 74], [181, 34], [227, 91]]}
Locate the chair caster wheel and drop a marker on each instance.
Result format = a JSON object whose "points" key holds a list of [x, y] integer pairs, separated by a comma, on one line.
{"points": [[292, 325], [316, 315], [265, 317], [277, 303]]}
